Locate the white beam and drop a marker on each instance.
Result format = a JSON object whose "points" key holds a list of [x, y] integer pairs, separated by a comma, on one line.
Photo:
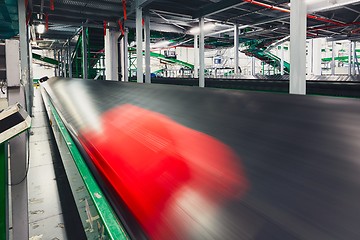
{"points": [[282, 60], [84, 53], [69, 59], [144, 3], [196, 56], [321, 5], [236, 49], [111, 55], [147, 48], [317, 45], [298, 21], [139, 41], [332, 58], [253, 66], [202, 55], [350, 58], [309, 60]]}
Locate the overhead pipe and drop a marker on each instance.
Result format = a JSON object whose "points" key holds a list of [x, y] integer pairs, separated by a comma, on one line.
{"points": [[272, 7], [331, 27]]}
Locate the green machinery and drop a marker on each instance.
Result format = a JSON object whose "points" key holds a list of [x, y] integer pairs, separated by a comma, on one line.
{"points": [[257, 48], [95, 55]]}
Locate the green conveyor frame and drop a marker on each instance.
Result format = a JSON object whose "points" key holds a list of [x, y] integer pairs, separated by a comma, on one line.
{"points": [[97, 216], [45, 59]]}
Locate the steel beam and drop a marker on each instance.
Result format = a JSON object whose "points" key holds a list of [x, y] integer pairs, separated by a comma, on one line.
{"points": [[196, 56], [126, 56], [236, 49], [144, 3], [349, 58], [18, 164], [253, 66], [147, 48], [217, 7], [139, 42], [282, 60], [84, 53], [317, 56], [69, 59], [354, 57], [332, 58], [323, 5], [298, 21], [111, 55], [202, 54]]}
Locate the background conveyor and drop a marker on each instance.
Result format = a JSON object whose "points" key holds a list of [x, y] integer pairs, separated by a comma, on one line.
{"points": [[195, 163]]}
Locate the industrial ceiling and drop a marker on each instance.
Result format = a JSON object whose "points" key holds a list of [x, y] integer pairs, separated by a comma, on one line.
{"points": [[263, 19]]}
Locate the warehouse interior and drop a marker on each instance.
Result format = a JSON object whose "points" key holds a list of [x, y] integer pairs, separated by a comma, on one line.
{"points": [[202, 119]]}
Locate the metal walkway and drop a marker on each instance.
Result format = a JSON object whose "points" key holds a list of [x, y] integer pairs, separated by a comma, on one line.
{"points": [[51, 206]]}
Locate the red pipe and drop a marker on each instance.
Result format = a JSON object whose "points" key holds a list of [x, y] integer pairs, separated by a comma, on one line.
{"points": [[331, 27], [104, 28], [52, 6], [355, 30], [124, 9], [47, 22], [121, 27], [322, 19]]}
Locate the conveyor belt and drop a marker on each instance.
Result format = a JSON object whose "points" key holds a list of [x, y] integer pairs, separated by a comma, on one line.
{"points": [[330, 86], [193, 163]]}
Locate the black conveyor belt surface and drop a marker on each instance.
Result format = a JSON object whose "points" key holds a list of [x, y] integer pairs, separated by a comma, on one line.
{"points": [[300, 154]]}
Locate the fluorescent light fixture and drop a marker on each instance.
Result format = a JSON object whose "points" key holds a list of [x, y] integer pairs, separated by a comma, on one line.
{"points": [[207, 27], [161, 44], [40, 29]]}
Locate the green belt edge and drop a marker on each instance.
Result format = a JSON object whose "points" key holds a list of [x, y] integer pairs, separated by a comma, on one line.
{"points": [[112, 225]]}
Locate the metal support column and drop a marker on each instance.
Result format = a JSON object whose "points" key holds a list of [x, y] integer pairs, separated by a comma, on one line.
{"points": [[55, 69], [349, 58], [111, 55], [310, 57], [253, 66], [147, 48], [236, 49], [69, 59], [84, 53], [196, 56], [63, 61], [19, 91], [333, 58], [60, 63], [282, 60], [298, 21], [317, 56], [126, 56], [355, 58], [139, 42], [202, 54]]}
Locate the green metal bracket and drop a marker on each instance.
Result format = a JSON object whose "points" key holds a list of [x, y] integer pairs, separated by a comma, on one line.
{"points": [[45, 59], [113, 227]]}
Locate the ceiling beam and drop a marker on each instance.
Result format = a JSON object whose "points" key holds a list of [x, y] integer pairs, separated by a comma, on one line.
{"points": [[157, 27], [80, 14], [144, 3], [218, 7], [325, 5]]}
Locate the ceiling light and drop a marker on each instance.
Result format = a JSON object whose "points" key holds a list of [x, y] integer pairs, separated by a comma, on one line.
{"points": [[40, 29], [207, 27]]}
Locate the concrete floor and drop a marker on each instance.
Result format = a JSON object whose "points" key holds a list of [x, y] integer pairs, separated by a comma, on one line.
{"points": [[46, 219]]}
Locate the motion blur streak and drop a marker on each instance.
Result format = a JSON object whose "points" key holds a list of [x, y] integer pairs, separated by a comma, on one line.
{"points": [[173, 179]]}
